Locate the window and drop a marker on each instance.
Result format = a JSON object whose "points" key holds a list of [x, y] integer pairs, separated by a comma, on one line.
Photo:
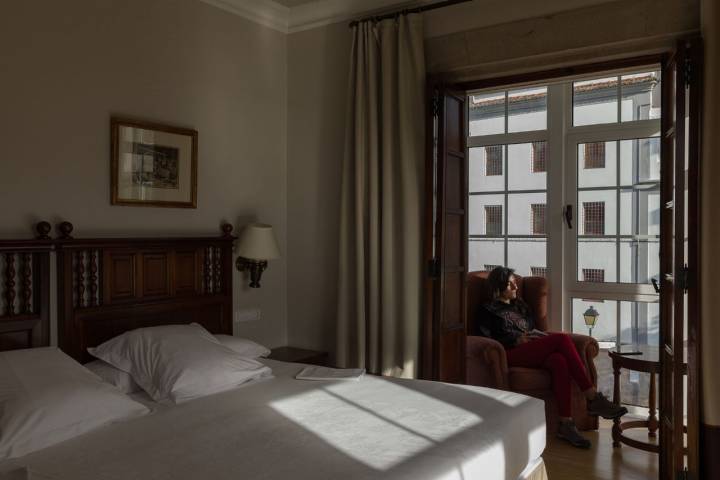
{"points": [[595, 155], [490, 268], [594, 275], [538, 271], [594, 218], [493, 220], [539, 154], [493, 160], [538, 218]]}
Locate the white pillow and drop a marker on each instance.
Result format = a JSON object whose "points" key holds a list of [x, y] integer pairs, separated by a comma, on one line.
{"points": [[243, 346], [113, 376], [47, 397], [176, 363]]}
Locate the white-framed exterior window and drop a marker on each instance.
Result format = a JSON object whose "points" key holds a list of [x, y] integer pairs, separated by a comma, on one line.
{"points": [[508, 162], [592, 143]]}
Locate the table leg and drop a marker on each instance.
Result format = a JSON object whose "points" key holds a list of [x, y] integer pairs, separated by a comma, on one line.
{"points": [[616, 399], [652, 418]]}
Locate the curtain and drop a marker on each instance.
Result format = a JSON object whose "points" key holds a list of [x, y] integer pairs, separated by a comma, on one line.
{"points": [[379, 296]]}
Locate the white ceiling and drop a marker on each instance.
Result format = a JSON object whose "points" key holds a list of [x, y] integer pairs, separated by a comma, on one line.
{"points": [[296, 15]]}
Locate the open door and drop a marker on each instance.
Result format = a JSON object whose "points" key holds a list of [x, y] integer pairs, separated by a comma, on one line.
{"points": [[446, 246], [679, 295]]}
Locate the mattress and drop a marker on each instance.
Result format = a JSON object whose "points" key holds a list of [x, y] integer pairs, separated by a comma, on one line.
{"points": [[282, 428]]}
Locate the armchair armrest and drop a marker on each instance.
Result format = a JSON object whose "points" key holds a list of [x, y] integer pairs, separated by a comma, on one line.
{"points": [[486, 363], [588, 349]]}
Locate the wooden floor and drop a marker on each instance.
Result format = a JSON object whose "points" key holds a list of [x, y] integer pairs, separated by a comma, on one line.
{"points": [[602, 461]]}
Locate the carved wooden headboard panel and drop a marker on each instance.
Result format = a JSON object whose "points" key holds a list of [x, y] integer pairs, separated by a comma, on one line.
{"points": [[25, 291], [107, 286]]}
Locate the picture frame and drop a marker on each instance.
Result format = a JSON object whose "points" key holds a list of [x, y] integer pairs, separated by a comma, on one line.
{"points": [[152, 165]]}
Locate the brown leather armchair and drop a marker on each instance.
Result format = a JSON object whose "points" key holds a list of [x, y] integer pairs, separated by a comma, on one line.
{"points": [[486, 362]]}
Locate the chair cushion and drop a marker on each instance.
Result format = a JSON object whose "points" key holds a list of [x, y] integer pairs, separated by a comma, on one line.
{"points": [[523, 379]]}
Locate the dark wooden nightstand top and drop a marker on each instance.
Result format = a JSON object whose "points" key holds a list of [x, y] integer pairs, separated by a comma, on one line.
{"points": [[299, 355]]}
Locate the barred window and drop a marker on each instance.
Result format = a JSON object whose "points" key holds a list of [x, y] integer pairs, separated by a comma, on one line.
{"points": [[490, 268], [493, 160], [594, 218], [538, 218], [539, 157], [493, 220], [538, 271], [595, 155], [594, 275]]}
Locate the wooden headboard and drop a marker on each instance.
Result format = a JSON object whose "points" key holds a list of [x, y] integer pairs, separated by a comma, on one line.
{"points": [[25, 291], [107, 286]]}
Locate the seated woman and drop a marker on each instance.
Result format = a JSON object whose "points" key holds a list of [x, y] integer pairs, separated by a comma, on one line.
{"points": [[508, 320]]}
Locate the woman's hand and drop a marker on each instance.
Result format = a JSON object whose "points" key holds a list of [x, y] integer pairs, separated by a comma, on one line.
{"points": [[523, 339]]}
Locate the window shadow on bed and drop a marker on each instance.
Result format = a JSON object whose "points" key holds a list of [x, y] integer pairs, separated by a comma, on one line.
{"points": [[430, 429]]}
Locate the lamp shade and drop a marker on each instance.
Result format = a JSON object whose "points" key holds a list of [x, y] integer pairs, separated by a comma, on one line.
{"points": [[257, 242]]}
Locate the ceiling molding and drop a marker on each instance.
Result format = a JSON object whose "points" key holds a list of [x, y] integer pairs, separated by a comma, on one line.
{"points": [[325, 12], [265, 12], [307, 16]]}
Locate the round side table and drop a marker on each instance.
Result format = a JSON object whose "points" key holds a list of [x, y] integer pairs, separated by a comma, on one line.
{"points": [[647, 361]]}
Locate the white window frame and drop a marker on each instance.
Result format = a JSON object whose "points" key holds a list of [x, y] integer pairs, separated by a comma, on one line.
{"points": [[561, 168]]}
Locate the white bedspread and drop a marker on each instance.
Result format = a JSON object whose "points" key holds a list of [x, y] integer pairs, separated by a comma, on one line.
{"points": [[282, 428]]}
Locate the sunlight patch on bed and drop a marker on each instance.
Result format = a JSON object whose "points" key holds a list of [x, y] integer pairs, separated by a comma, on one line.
{"points": [[354, 431], [417, 412]]}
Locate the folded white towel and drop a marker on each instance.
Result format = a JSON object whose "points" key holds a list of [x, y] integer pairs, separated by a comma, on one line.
{"points": [[325, 373]]}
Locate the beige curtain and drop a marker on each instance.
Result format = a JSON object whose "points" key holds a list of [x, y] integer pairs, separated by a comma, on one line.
{"points": [[382, 199]]}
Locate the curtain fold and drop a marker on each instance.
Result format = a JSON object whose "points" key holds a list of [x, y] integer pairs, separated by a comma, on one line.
{"points": [[381, 237]]}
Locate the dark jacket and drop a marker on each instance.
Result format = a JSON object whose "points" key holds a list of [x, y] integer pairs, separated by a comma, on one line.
{"points": [[503, 322]]}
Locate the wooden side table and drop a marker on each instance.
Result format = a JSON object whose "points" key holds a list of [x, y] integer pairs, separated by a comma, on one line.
{"points": [[299, 355], [649, 362]]}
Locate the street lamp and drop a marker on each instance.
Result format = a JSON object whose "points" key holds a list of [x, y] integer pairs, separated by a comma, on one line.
{"points": [[591, 315]]}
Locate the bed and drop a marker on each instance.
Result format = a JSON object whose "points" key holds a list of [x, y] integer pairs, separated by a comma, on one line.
{"points": [[274, 428]]}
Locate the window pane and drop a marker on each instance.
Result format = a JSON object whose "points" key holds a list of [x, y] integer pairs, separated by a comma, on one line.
{"points": [[640, 212], [597, 164], [605, 329], [640, 161], [520, 212], [481, 216], [487, 114], [594, 255], [527, 109], [483, 253], [482, 160], [524, 253], [520, 167], [597, 213], [640, 96], [639, 260], [595, 101]]}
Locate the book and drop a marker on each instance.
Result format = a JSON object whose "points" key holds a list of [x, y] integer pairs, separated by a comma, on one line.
{"points": [[326, 373]]}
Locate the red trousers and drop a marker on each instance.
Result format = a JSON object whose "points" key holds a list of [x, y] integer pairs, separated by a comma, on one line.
{"points": [[557, 354]]}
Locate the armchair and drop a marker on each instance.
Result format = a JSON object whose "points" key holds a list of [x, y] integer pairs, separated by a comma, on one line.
{"points": [[486, 361]]}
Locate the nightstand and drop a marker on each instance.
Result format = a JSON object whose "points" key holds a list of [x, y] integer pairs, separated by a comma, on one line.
{"points": [[299, 355]]}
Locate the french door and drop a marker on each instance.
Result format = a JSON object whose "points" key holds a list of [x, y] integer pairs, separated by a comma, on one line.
{"points": [[598, 170], [679, 279]]}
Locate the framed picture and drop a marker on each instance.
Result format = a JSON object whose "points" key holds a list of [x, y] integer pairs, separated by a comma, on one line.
{"points": [[153, 165]]}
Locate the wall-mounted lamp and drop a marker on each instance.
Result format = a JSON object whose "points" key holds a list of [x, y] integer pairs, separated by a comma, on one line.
{"points": [[256, 246]]}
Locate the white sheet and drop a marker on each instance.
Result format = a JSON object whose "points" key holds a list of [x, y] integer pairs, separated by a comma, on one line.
{"points": [[283, 428]]}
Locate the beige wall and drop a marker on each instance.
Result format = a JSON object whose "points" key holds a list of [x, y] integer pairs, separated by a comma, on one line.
{"points": [[65, 67], [710, 173], [482, 38], [318, 65]]}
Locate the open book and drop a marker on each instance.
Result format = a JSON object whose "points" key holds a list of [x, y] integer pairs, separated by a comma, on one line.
{"points": [[325, 373]]}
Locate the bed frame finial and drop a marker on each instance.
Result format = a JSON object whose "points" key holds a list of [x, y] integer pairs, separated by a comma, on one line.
{"points": [[42, 229], [66, 229], [227, 229]]}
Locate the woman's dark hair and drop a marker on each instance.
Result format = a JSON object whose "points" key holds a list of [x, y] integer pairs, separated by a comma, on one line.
{"points": [[499, 278]]}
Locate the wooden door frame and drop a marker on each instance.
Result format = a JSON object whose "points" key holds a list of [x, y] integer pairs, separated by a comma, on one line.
{"points": [[429, 318]]}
